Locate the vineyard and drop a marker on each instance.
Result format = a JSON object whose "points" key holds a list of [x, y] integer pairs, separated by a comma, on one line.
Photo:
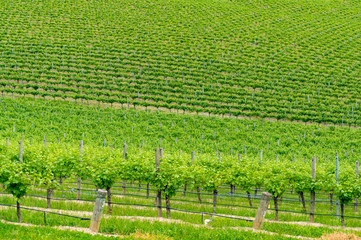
{"points": [[62, 122], [56, 151], [291, 60], [180, 119]]}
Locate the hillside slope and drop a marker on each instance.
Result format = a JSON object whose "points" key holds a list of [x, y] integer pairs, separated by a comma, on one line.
{"points": [[295, 60]]}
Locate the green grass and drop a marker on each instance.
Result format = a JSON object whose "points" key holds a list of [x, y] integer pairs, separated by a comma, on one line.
{"points": [[129, 228], [9, 231]]}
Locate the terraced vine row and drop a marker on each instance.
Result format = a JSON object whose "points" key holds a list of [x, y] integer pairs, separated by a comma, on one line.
{"points": [[49, 165], [64, 122], [293, 60]]}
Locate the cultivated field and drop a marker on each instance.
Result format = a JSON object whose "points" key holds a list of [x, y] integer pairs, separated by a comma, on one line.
{"points": [[184, 112]]}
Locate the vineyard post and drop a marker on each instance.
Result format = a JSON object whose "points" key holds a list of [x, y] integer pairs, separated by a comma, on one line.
{"points": [[262, 208], [260, 160], [313, 195], [159, 193], [79, 179], [357, 175], [98, 210], [337, 201], [125, 157], [7, 143], [160, 153], [21, 151]]}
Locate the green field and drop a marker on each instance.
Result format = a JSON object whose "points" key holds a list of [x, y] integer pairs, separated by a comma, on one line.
{"points": [[62, 122], [293, 60], [232, 97]]}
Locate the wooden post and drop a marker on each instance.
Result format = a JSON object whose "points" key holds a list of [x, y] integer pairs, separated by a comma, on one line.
{"points": [[125, 157], [262, 208], [159, 193], [337, 200], [98, 210], [160, 153], [261, 155], [79, 179], [21, 151], [357, 175], [313, 195]]}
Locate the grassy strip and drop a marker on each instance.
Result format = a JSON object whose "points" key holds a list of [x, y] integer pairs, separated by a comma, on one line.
{"points": [[130, 228], [218, 223], [9, 231], [237, 211]]}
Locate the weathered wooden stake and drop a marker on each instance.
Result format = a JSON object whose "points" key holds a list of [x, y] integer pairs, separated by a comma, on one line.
{"points": [[160, 153], [337, 200], [262, 208], [98, 210], [79, 179], [357, 174], [125, 157]]}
